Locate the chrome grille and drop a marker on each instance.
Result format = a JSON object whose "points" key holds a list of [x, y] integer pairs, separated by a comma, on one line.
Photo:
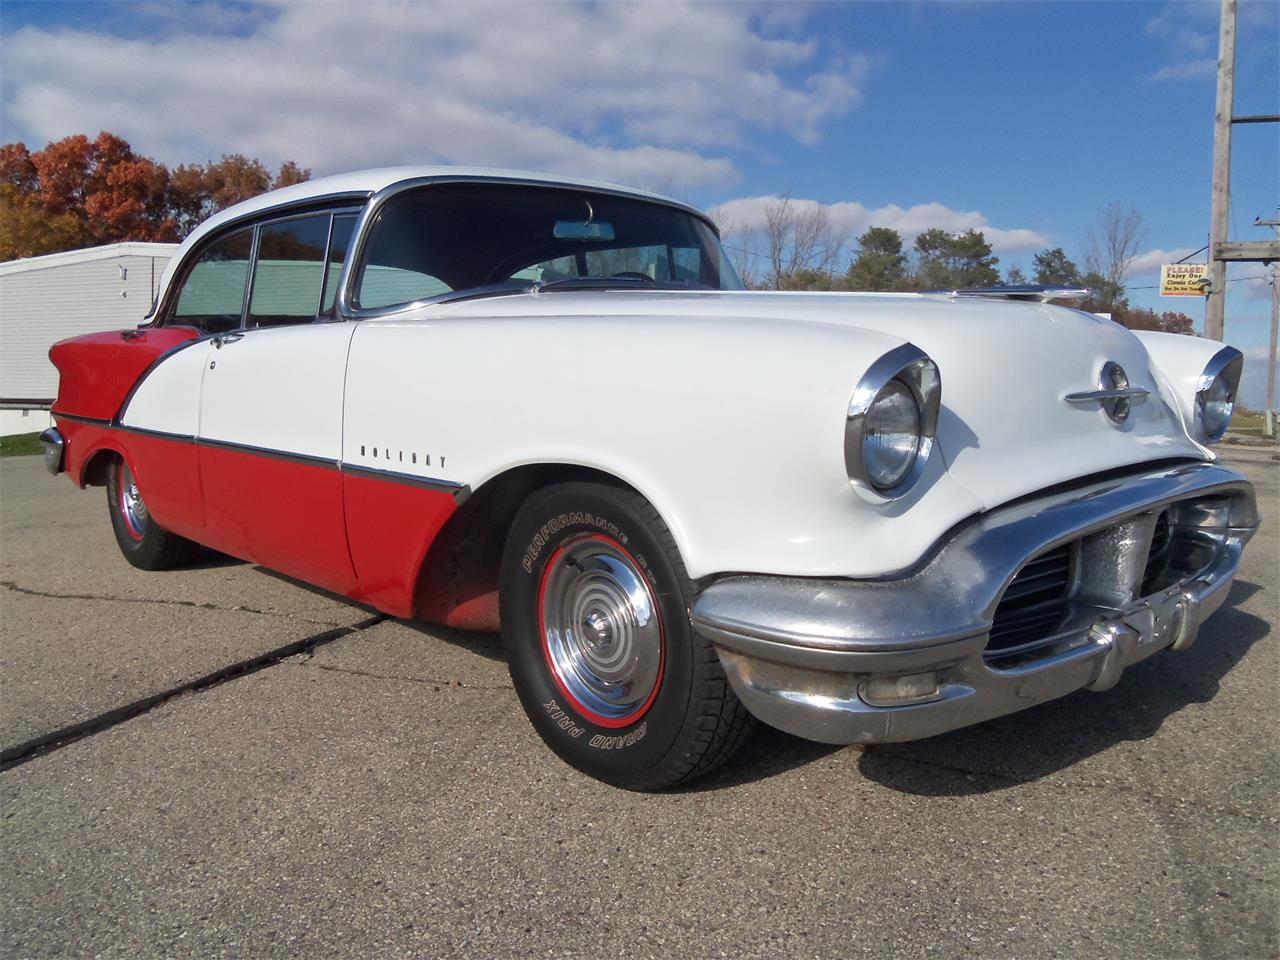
{"points": [[1034, 603], [1158, 558]]}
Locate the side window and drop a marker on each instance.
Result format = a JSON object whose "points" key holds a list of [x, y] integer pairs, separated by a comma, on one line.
{"points": [[339, 243], [288, 275], [212, 296], [399, 260]]}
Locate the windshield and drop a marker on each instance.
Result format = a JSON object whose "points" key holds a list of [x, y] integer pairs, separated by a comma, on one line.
{"points": [[454, 237]]}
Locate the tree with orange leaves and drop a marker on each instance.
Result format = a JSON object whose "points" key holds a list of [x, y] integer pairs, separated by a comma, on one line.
{"points": [[78, 192]]}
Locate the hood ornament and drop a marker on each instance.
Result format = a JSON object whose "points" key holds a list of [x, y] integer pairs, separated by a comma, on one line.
{"points": [[1115, 396]]}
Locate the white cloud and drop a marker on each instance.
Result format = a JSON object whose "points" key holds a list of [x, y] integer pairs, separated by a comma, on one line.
{"points": [[1186, 70], [1189, 31], [644, 93], [1152, 260], [850, 219]]}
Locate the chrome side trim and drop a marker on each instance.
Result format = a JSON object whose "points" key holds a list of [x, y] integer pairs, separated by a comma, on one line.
{"points": [[460, 491], [1089, 396], [912, 367], [324, 463], [158, 434], [92, 421]]}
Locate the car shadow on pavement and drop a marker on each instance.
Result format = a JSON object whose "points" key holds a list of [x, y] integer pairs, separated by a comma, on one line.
{"points": [[1012, 750], [487, 645], [481, 643], [1026, 746]]}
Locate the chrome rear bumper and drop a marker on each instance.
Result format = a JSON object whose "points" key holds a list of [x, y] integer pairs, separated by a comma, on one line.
{"points": [[54, 450], [856, 661]]}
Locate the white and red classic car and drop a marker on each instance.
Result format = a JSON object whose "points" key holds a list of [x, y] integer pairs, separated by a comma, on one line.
{"points": [[505, 401]]}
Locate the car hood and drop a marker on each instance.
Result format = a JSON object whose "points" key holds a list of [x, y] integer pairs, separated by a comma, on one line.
{"points": [[1005, 429]]}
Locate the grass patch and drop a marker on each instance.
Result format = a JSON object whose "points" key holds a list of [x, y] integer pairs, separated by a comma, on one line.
{"points": [[1246, 423], [21, 445]]}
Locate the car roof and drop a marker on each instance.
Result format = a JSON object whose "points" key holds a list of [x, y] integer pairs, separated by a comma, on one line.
{"points": [[369, 182], [365, 183]]}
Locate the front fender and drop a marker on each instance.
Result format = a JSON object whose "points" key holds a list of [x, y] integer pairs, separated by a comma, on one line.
{"points": [[732, 428], [1181, 360]]}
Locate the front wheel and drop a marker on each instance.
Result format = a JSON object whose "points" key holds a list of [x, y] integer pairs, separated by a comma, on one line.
{"points": [[595, 621], [144, 543]]}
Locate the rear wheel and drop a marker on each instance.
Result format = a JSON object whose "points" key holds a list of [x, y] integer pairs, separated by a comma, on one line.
{"points": [[144, 543], [595, 620]]}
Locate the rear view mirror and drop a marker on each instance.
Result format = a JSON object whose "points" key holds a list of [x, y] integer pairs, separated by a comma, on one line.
{"points": [[576, 230]]}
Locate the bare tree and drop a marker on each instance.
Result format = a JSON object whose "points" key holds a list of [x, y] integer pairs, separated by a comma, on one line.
{"points": [[1112, 243], [795, 244], [739, 246], [799, 237]]}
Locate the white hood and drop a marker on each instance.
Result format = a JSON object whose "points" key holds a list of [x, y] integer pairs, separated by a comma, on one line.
{"points": [[1005, 429]]}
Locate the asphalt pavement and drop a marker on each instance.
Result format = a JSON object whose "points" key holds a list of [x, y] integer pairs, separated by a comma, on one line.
{"points": [[221, 762]]}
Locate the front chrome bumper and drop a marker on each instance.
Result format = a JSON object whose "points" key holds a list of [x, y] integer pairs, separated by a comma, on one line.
{"points": [[803, 655]]}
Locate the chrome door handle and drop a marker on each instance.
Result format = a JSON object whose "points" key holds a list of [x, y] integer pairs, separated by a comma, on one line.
{"points": [[224, 338]]}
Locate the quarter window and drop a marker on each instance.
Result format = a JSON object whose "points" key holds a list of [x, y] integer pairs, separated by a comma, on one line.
{"points": [[212, 297], [288, 275]]}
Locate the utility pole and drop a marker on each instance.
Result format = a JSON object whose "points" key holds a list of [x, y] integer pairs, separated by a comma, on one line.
{"points": [[1269, 417], [1218, 217]]}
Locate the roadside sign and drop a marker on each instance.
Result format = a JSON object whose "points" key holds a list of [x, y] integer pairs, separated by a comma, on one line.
{"points": [[1183, 279]]}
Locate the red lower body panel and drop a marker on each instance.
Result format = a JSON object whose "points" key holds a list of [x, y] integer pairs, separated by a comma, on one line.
{"points": [[283, 514], [362, 537], [390, 525]]}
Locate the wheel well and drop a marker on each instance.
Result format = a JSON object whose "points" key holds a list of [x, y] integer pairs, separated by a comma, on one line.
{"points": [[458, 581], [95, 471]]}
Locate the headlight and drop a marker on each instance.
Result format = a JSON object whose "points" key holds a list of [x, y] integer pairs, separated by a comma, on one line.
{"points": [[892, 435], [1216, 393], [891, 423]]}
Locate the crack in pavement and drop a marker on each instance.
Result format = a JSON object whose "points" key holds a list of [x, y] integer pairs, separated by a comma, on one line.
{"points": [[56, 740], [27, 591], [456, 684]]}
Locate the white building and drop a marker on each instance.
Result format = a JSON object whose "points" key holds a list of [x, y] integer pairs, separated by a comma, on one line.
{"points": [[47, 299]]}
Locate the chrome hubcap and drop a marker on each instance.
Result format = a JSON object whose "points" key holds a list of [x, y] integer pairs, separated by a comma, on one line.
{"points": [[135, 511], [602, 628]]}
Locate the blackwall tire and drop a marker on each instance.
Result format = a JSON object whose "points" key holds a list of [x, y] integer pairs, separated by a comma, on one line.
{"points": [[595, 620], [144, 543]]}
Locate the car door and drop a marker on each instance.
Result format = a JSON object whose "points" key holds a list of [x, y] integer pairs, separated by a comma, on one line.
{"points": [[270, 429]]}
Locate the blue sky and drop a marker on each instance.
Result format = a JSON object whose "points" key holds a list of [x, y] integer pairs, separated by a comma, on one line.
{"points": [[1021, 118]]}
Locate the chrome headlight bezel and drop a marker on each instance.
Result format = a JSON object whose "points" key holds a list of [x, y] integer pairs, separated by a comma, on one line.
{"points": [[1224, 368], [911, 367]]}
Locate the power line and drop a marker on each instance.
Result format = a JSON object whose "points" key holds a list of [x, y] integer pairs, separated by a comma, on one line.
{"points": [[1156, 286]]}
